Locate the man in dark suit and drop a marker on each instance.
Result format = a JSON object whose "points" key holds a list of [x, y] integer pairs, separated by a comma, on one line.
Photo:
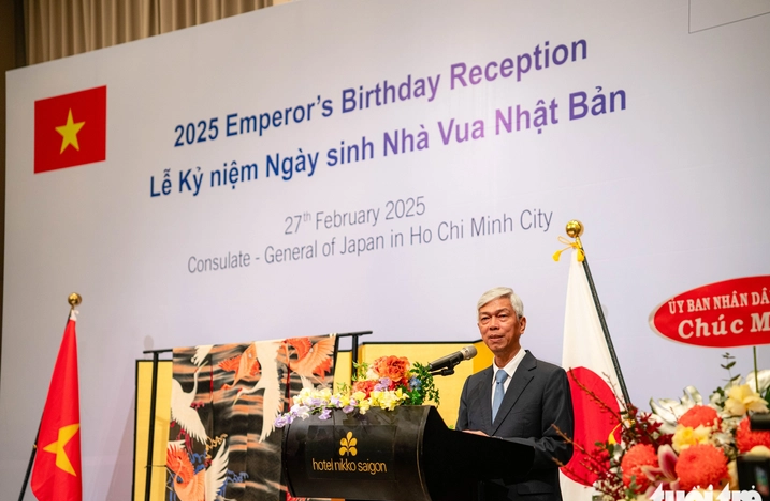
{"points": [[521, 404]]}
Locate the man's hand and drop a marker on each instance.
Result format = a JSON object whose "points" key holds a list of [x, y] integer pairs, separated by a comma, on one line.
{"points": [[481, 433]]}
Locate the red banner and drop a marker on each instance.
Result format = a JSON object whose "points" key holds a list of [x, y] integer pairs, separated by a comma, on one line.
{"points": [[724, 314]]}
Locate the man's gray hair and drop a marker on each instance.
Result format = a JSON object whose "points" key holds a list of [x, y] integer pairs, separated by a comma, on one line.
{"points": [[500, 292]]}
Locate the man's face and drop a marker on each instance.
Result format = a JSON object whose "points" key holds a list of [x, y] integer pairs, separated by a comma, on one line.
{"points": [[500, 327]]}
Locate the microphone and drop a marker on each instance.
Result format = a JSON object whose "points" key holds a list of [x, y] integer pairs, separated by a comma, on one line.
{"points": [[448, 361]]}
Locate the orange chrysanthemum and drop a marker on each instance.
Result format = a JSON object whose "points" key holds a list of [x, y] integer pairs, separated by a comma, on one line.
{"points": [[635, 457], [700, 415], [392, 367], [746, 439], [701, 465]]}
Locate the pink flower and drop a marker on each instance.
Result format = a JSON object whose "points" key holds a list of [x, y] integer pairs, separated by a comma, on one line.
{"points": [[665, 473]]}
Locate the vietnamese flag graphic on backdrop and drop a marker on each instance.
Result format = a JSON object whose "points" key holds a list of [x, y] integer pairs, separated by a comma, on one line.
{"points": [[71, 130], [57, 474]]}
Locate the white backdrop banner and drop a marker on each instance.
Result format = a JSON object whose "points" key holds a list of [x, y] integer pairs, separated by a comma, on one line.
{"points": [[337, 166]]}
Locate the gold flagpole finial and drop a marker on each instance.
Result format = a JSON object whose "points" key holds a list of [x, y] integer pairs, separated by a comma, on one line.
{"points": [[74, 300], [574, 230]]}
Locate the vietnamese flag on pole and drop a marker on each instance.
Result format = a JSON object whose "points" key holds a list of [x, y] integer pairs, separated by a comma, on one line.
{"points": [[71, 129], [57, 474]]}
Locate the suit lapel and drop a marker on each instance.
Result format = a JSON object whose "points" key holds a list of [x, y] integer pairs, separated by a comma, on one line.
{"points": [[484, 389], [521, 378]]}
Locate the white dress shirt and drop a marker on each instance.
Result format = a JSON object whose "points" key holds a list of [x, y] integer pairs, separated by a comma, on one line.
{"points": [[509, 368]]}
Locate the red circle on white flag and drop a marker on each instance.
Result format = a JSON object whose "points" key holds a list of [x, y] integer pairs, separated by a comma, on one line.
{"points": [[593, 422]]}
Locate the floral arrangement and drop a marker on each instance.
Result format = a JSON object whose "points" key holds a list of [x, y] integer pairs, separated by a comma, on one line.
{"points": [[389, 382], [682, 445]]}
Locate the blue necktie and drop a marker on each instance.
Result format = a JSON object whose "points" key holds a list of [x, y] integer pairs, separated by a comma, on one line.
{"points": [[500, 377]]}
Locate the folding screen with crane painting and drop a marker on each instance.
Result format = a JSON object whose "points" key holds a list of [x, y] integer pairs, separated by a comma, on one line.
{"points": [[224, 401]]}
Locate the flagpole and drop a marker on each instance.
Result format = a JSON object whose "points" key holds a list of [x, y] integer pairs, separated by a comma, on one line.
{"points": [[575, 230], [29, 466], [74, 299]]}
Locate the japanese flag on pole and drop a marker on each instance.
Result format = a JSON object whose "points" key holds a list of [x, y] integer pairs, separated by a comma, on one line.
{"points": [[587, 359]]}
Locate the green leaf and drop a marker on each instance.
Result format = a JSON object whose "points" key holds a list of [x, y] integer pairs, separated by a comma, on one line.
{"points": [[360, 371]]}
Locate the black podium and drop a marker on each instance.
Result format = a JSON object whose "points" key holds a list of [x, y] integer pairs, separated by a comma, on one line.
{"points": [[408, 454]]}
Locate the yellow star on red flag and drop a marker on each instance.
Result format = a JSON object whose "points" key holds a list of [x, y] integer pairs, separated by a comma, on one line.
{"points": [[71, 130], [62, 460], [69, 133]]}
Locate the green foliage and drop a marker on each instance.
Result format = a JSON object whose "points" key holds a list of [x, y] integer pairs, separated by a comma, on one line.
{"points": [[630, 491], [421, 387], [720, 403], [360, 371], [729, 365]]}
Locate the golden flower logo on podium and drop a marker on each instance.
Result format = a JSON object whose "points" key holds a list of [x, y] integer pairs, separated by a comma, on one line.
{"points": [[348, 445]]}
